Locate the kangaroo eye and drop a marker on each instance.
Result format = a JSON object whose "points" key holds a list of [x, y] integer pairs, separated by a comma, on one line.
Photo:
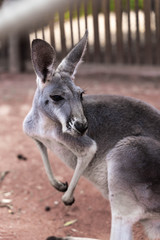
{"points": [[56, 98]]}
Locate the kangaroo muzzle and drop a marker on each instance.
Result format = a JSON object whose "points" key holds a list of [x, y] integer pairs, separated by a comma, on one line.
{"points": [[76, 126], [81, 127]]}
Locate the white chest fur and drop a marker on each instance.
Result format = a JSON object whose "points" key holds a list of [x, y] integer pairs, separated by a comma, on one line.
{"points": [[59, 150], [42, 129]]}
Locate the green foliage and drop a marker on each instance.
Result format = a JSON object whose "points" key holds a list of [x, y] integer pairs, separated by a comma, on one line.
{"points": [[89, 8], [124, 4]]}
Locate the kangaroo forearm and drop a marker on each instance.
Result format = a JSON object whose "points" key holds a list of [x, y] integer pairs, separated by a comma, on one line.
{"points": [[54, 182]]}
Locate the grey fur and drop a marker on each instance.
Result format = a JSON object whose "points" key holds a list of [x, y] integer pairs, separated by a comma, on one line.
{"points": [[119, 153]]}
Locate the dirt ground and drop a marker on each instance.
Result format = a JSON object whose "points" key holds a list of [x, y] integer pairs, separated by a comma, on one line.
{"points": [[30, 209]]}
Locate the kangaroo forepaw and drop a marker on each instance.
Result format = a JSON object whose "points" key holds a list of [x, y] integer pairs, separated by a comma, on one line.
{"points": [[68, 202], [62, 187]]}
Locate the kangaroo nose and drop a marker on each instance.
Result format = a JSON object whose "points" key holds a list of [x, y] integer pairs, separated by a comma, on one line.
{"points": [[81, 127]]}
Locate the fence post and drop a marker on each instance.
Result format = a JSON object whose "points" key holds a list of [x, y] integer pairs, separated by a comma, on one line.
{"points": [[157, 12], [108, 46], [4, 55], [95, 10], [118, 11], [63, 38], [51, 28], [78, 16], [148, 45], [137, 33], [85, 2], [130, 57], [70, 20]]}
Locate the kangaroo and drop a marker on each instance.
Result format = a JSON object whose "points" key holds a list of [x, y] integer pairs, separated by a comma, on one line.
{"points": [[114, 141]]}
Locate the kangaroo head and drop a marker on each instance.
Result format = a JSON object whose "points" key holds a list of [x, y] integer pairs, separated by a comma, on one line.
{"points": [[57, 96]]}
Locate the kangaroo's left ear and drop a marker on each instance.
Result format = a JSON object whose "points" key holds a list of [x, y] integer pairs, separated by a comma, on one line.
{"points": [[71, 62], [43, 58]]}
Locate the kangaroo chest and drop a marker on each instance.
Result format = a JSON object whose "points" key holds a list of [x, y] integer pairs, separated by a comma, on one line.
{"points": [[45, 132], [59, 150]]}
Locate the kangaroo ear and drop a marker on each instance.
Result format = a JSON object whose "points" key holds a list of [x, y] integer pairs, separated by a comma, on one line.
{"points": [[71, 62], [43, 58]]}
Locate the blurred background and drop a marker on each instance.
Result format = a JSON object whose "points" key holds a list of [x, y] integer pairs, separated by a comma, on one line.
{"points": [[122, 57], [120, 31]]}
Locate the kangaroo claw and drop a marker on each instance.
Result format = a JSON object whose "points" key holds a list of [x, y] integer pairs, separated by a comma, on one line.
{"points": [[62, 187], [68, 202]]}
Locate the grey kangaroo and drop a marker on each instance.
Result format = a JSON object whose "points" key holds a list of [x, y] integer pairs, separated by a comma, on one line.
{"points": [[114, 141]]}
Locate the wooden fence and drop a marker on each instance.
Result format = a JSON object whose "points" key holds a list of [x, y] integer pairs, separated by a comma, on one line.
{"points": [[120, 31]]}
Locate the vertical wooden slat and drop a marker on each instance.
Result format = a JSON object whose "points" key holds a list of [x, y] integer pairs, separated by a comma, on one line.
{"points": [[148, 46], [35, 33], [97, 53], [129, 33], [108, 46], [119, 35], [153, 32], [62, 31], [4, 55], [85, 3], [51, 28], [43, 34], [78, 18], [137, 33], [71, 23], [157, 14], [137, 55]]}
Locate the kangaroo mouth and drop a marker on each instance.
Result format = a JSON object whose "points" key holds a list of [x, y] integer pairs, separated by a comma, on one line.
{"points": [[70, 124], [71, 129], [77, 128]]}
